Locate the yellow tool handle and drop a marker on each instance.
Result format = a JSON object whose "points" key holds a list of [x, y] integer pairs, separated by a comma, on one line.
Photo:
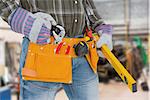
{"points": [[122, 72]]}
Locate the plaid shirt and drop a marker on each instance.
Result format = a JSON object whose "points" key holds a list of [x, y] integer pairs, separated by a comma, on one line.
{"points": [[73, 15]]}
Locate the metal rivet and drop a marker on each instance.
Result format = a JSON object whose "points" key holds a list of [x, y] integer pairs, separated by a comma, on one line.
{"points": [[29, 50], [70, 81], [64, 43], [32, 54], [23, 78], [41, 48], [55, 50]]}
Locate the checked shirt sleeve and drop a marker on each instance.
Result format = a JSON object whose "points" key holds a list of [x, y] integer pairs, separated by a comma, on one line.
{"points": [[6, 8], [92, 14]]}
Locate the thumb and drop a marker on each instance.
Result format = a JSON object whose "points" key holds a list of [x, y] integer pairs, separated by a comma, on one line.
{"points": [[100, 42], [110, 45], [46, 17]]}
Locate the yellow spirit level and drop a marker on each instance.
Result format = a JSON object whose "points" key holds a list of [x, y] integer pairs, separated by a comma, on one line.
{"points": [[122, 72], [119, 68]]}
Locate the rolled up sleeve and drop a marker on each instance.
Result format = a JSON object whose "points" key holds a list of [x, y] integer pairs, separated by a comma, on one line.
{"points": [[6, 8], [92, 14]]}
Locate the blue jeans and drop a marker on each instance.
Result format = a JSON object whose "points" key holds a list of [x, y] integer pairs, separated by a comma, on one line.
{"points": [[84, 85]]}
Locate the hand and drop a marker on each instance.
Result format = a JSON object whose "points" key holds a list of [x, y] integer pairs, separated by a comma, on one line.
{"points": [[105, 32], [37, 27], [44, 35]]}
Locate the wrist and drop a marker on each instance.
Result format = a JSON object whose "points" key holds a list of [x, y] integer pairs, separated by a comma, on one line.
{"points": [[21, 21], [11, 16], [104, 29]]}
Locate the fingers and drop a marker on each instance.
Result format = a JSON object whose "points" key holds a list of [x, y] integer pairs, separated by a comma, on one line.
{"points": [[101, 42], [101, 54], [105, 39], [46, 17], [53, 22], [48, 24], [110, 46], [51, 19], [108, 43]]}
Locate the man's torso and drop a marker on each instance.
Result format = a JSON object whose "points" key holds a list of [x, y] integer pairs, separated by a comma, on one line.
{"points": [[68, 13]]}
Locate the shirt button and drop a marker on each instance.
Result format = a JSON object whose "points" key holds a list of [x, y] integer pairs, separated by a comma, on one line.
{"points": [[76, 2], [76, 20]]}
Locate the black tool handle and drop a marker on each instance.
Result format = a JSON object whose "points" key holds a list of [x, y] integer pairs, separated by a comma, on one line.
{"points": [[56, 29]]}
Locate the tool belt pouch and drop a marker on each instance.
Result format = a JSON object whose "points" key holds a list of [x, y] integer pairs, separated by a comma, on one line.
{"points": [[42, 64], [93, 56]]}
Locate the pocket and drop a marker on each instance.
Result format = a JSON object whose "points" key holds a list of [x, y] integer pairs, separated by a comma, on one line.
{"points": [[29, 68], [44, 65], [49, 68], [93, 57], [53, 66], [30, 61]]}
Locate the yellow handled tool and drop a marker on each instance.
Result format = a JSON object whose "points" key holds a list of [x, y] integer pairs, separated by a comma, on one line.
{"points": [[122, 72]]}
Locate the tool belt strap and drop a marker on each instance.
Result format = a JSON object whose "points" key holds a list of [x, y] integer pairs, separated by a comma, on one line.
{"points": [[66, 47]]}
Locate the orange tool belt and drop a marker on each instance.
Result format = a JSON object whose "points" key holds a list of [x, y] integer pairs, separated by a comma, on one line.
{"points": [[53, 62]]}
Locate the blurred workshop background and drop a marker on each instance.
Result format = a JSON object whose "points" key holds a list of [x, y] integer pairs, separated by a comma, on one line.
{"points": [[130, 19]]}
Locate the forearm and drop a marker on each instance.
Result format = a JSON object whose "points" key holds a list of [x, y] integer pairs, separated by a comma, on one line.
{"points": [[92, 14], [6, 8]]}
